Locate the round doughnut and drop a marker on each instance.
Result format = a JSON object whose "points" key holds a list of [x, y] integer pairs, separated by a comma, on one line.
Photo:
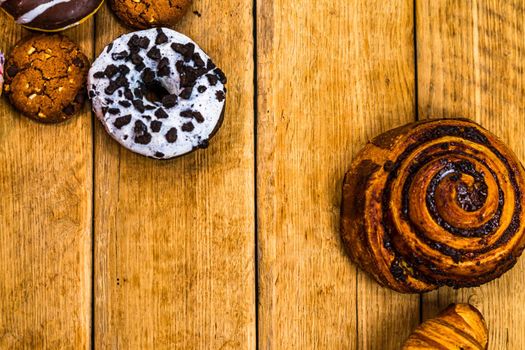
{"points": [[157, 93], [50, 15], [45, 78], [144, 14]]}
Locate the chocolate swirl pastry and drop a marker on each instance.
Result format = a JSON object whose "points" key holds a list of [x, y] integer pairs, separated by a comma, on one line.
{"points": [[460, 326], [434, 203], [50, 15]]}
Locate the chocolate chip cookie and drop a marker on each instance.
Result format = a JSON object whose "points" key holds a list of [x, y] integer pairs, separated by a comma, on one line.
{"points": [[142, 14], [45, 78]]}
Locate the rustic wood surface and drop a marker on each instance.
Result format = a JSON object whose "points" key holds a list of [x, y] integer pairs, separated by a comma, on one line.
{"points": [[174, 241], [237, 246], [46, 222], [327, 83]]}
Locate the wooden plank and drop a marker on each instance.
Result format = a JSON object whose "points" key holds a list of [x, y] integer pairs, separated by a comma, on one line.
{"points": [[331, 75], [175, 240], [45, 237], [470, 60]]}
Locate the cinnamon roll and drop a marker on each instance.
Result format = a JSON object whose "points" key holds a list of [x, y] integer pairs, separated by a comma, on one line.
{"points": [[460, 326], [434, 203]]}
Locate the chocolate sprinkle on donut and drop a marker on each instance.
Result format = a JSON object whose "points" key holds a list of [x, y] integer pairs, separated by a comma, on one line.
{"points": [[187, 127], [155, 126], [169, 101], [212, 79], [161, 37], [161, 114], [122, 121], [171, 136]]}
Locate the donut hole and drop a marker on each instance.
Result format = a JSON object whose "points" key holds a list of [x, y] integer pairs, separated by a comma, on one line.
{"points": [[155, 91]]}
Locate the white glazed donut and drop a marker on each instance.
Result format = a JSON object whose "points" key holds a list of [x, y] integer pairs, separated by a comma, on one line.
{"points": [[157, 93]]}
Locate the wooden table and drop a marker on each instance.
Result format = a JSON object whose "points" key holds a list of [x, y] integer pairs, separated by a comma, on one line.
{"points": [[237, 246]]}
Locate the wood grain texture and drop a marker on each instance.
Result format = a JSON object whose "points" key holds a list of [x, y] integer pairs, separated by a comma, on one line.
{"points": [[175, 240], [471, 58], [45, 211], [331, 75]]}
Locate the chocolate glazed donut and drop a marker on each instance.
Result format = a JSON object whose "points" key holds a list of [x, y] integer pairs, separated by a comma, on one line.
{"points": [[50, 15], [434, 203], [460, 326]]}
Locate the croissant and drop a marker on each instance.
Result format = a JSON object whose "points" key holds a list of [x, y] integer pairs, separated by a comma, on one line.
{"points": [[459, 326], [434, 203]]}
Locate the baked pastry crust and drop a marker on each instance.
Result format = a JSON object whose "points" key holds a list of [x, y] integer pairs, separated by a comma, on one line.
{"points": [[434, 203], [460, 326]]}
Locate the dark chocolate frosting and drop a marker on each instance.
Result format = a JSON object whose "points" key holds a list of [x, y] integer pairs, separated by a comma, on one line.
{"points": [[50, 14]]}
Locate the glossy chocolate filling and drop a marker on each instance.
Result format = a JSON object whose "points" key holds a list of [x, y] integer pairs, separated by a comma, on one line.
{"points": [[470, 201], [456, 169]]}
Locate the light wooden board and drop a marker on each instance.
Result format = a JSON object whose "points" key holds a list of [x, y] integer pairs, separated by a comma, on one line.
{"points": [[471, 58], [331, 75], [175, 240], [45, 211]]}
